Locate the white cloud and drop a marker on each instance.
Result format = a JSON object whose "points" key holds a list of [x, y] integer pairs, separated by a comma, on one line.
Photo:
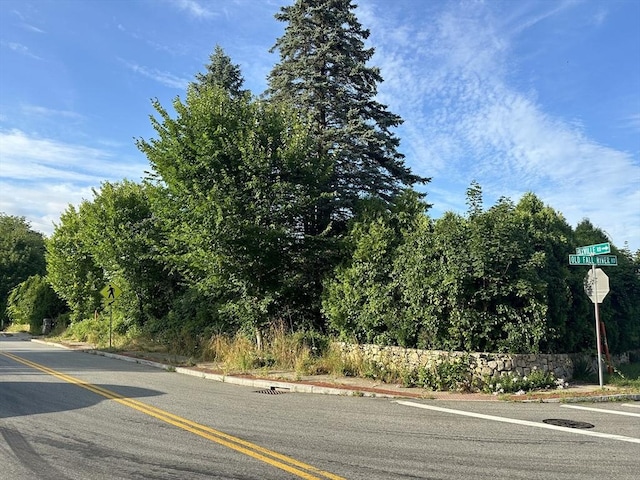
{"points": [[21, 49], [165, 78], [193, 8], [32, 28], [36, 110], [450, 79], [28, 157], [41, 204], [39, 177]]}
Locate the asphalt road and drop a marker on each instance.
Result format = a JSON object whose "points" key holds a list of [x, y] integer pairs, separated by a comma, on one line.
{"points": [[69, 415]]}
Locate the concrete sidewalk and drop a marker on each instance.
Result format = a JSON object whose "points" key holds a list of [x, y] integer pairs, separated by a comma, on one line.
{"points": [[288, 381]]}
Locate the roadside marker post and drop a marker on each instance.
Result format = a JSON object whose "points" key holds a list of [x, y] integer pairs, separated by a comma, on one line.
{"points": [[594, 255], [110, 293]]}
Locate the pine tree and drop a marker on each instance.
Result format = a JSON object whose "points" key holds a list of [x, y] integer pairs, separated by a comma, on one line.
{"points": [[323, 71], [221, 72]]}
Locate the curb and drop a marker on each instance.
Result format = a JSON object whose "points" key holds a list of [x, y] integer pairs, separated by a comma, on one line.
{"points": [[234, 380], [310, 388], [617, 397]]}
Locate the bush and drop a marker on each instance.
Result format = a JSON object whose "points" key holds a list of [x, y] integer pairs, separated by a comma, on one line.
{"points": [[94, 330], [445, 373], [513, 383], [32, 301]]}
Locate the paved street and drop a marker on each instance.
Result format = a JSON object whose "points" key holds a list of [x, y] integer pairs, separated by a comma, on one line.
{"points": [[68, 415]]}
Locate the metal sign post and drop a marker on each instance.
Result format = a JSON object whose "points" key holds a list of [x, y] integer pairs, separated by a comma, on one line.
{"points": [[110, 293], [595, 306], [593, 255]]}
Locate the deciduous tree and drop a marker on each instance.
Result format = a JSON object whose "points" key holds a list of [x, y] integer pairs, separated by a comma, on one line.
{"points": [[236, 177], [21, 256]]}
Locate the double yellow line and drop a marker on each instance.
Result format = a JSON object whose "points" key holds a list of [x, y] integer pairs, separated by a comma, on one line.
{"points": [[265, 455]]}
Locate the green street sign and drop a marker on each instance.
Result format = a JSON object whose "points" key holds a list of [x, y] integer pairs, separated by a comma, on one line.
{"points": [[610, 260], [606, 260], [580, 260], [597, 249]]}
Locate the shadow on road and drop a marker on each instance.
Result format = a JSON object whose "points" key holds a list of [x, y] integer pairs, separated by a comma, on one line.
{"points": [[26, 390], [29, 398]]}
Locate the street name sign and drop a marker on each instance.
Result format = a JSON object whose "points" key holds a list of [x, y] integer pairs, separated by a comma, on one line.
{"points": [[593, 255], [596, 285], [597, 249], [605, 260]]}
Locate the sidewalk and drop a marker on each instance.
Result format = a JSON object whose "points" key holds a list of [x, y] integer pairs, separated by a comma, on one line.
{"points": [[275, 382]]}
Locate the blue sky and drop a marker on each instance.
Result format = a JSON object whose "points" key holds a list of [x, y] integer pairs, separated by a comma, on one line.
{"points": [[520, 96]]}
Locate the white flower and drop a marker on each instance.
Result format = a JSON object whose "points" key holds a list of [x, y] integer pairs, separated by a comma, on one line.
{"points": [[525, 378], [520, 392]]}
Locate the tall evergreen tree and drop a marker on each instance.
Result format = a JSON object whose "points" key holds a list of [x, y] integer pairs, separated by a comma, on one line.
{"points": [[221, 72], [323, 71]]}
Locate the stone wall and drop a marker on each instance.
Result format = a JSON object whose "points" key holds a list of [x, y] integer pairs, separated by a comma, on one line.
{"points": [[482, 364]]}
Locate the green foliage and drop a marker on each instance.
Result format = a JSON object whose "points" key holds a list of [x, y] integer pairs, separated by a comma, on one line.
{"points": [[323, 71], [95, 330], [443, 374], [32, 301], [221, 72], [71, 268], [620, 310], [625, 375], [583, 369], [496, 280], [297, 209], [514, 383], [21, 256], [236, 184], [362, 301], [124, 239]]}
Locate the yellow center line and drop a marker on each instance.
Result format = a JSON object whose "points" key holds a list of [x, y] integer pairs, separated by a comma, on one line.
{"points": [[270, 457]]}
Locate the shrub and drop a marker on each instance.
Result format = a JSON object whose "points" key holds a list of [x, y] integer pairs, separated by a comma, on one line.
{"points": [[514, 383], [32, 301], [445, 373]]}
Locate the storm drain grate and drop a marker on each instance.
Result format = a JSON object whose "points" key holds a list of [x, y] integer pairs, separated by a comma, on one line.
{"points": [[271, 391], [567, 423]]}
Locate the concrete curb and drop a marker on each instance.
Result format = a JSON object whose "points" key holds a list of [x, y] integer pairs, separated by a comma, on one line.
{"points": [[618, 397], [231, 379], [310, 388]]}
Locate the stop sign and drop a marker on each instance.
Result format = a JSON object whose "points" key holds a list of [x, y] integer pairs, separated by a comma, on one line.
{"points": [[596, 280]]}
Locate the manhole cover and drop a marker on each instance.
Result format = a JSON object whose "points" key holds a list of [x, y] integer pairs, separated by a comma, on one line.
{"points": [[567, 423], [271, 391]]}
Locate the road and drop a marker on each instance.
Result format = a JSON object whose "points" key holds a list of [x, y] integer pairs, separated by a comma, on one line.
{"points": [[69, 415]]}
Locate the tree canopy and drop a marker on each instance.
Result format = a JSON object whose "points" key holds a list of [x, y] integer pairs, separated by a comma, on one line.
{"points": [[296, 208], [323, 71], [21, 256]]}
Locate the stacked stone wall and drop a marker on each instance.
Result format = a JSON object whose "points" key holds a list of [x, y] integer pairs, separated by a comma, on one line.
{"points": [[482, 364]]}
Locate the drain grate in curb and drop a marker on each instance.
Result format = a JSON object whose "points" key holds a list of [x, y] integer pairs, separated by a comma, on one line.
{"points": [[271, 391], [567, 423]]}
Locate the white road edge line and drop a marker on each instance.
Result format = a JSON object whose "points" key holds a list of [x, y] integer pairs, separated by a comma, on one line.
{"points": [[602, 410], [631, 405], [520, 422]]}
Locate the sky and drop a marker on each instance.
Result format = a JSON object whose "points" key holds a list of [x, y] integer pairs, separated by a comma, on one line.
{"points": [[520, 96]]}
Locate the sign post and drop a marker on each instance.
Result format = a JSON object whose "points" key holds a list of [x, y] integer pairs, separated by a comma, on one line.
{"points": [[110, 293], [597, 310], [594, 284]]}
